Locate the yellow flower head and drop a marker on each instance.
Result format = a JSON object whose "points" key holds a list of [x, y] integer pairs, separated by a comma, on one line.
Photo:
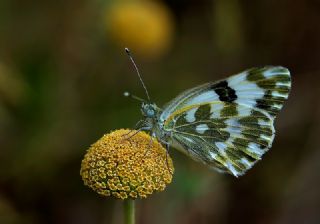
{"points": [[146, 27], [126, 167]]}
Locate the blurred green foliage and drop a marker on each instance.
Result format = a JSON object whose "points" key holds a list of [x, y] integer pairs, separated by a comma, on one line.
{"points": [[62, 75]]}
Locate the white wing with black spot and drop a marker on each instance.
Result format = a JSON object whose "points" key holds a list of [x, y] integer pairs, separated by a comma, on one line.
{"points": [[228, 125], [265, 88]]}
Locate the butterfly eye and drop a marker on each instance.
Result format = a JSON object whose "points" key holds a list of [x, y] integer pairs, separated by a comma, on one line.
{"points": [[150, 112]]}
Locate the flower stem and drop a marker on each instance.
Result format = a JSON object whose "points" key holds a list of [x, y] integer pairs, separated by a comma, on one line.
{"points": [[129, 211]]}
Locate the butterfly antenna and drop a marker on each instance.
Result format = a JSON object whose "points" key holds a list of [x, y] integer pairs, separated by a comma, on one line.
{"points": [[135, 66], [127, 94]]}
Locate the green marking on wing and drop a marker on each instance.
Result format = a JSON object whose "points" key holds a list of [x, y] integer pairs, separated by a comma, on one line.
{"points": [[229, 110], [232, 143], [276, 83], [203, 112]]}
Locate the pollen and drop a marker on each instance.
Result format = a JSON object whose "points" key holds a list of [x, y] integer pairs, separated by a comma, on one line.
{"points": [[124, 165]]}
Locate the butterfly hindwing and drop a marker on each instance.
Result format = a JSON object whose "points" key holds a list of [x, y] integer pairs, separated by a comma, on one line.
{"points": [[233, 142], [228, 125]]}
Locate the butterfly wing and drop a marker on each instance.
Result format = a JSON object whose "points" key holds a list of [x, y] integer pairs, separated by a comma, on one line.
{"points": [[228, 124]]}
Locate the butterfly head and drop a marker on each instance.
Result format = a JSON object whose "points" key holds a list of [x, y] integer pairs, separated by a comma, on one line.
{"points": [[149, 110]]}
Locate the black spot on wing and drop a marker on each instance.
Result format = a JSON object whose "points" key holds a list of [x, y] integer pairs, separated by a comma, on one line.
{"points": [[263, 104], [224, 91]]}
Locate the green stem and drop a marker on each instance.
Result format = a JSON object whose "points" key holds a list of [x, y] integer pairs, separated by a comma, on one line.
{"points": [[129, 211]]}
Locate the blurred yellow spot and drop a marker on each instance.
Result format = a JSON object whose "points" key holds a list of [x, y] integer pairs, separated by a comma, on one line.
{"points": [[143, 26], [121, 167]]}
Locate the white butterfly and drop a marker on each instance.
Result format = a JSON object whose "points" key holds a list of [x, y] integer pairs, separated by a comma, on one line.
{"points": [[227, 125]]}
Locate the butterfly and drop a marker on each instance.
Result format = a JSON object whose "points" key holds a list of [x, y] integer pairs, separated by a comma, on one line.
{"points": [[227, 125]]}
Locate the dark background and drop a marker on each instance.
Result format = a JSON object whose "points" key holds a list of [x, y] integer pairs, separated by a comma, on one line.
{"points": [[63, 71]]}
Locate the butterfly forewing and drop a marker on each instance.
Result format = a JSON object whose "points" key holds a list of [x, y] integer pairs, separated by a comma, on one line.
{"points": [[228, 125]]}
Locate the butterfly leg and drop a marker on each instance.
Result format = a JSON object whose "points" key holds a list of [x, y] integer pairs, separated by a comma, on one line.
{"points": [[135, 132], [151, 140], [167, 153], [153, 135], [167, 144], [137, 125]]}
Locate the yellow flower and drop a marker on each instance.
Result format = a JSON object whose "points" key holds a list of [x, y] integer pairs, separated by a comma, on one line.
{"points": [[126, 167], [145, 27]]}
